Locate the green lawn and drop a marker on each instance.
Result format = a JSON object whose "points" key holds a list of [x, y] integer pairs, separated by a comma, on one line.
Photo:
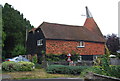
{"points": [[37, 74]]}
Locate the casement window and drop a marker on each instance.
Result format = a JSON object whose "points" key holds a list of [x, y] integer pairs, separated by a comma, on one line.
{"points": [[81, 44], [38, 31], [40, 42]]}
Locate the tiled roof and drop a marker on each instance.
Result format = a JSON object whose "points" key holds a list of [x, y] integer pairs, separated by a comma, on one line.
{"points": [[69, 32], [33, 29], [91, 25]]}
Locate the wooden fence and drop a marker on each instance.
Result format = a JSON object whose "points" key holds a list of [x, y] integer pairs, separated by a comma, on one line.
{"points": [[82, 63]]}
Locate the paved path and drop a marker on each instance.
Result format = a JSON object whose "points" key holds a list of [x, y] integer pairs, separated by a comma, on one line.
{"points": [[58, 79], [6, 76]]}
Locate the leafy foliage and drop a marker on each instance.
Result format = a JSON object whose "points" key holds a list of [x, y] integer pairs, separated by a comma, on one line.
{"points": [[34, 59], [105, 68], [19, 50], [10, 66], [61, 69], [26, 66], [14, 26], [53, 57], [115, 71], [3, 38], [61, 57], [1, 26], [14, 66], [113, 43]]}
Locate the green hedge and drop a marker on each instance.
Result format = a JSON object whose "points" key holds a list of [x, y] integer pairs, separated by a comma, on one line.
{"points": [[17, 66], [61, 69], [115, 71], [61, 57]]}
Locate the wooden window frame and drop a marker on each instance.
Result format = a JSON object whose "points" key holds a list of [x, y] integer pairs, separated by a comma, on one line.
{"points": [[81, 44], [40, 42]]}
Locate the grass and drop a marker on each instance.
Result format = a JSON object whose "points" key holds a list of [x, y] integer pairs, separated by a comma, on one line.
{"points": [[37, 74]]}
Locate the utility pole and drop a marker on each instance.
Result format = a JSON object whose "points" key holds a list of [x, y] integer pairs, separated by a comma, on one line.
{"points": [[26, 40]]}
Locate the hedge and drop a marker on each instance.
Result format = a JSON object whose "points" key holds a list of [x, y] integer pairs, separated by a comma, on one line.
{"points": [[17, 66], [61, 69], [61, 57]]}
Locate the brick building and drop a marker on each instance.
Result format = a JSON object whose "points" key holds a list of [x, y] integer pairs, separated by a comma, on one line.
{"points": [[53, 38]]}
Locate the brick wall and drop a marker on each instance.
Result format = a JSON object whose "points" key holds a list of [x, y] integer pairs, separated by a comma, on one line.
{"points": [[65, 47]]}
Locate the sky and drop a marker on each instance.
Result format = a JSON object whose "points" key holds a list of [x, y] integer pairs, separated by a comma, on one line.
{"points": [[69, 12]]}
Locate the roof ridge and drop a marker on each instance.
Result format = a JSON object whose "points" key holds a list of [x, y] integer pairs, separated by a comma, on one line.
{"points": [[63, 24]]}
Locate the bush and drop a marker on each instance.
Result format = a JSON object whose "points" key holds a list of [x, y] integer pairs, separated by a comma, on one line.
{"points": [[17, 66], [38, 66], [61, 57], [18, 50], [115, 71], [34, 60], [10, 66], [61, 69], [53, 57], [26, 66]]}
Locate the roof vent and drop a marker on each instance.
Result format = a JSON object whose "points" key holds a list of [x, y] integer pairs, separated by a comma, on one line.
{"points": [[88, 13]]}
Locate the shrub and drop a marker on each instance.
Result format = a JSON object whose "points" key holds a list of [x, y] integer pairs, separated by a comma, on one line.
{"points": [[53, 57], [10, 66], [18, 50], [61, 57], [115, 71], [38, 66], [34, 59], [61, 69], [17, 66], [26, 66]]}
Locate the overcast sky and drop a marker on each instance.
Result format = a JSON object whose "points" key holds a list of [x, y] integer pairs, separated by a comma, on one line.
{"points": [[70, 12]]}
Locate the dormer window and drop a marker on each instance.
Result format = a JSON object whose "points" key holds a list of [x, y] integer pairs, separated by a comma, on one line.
{"points": [[40, 42], [81, 44]]}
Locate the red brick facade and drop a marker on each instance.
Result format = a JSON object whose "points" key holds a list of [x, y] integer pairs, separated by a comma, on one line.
{"points": [[65, 47]]}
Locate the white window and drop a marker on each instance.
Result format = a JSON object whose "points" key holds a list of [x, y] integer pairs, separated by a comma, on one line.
{"points": [[40, 42], [81, 44], [38, 31]]}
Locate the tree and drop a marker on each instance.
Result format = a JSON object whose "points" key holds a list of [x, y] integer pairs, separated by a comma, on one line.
{"points": [[113, 43], [18, 50], [14, 26], [0, 25]]}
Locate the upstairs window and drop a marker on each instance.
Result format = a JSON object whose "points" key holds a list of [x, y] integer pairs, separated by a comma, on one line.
{"points": [[81, 44], [40, 42]]}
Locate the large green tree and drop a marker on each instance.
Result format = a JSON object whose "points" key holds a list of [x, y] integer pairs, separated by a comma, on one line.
{"points": [[113, 43], [14, 26]]}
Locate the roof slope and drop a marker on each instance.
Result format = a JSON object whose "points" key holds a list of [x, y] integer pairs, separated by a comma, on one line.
{"points": [[91, 25], [33, 29], [68, 32]]}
